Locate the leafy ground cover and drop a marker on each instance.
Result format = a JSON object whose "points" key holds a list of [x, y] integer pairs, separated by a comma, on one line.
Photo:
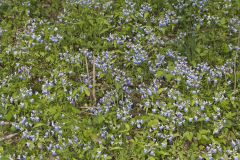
{"points": [[115, 79]]}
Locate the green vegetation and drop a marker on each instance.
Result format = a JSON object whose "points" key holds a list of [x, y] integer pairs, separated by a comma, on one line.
{"points": [[102, 79]]}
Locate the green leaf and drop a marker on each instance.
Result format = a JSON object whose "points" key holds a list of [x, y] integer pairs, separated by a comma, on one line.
{"points": [[87, 92], [228, 124], [49, 59], [204, 138], [13, 129], [225, 48], [199, 136], [1, 150], [161, 90], [98, 120], [204, 132], [39, 125], [118, 86], [146, 15], [159, 74], [198, 27], [188, 136], [153, 123], [115, 44], [42, 54], [104, 31], [139, 70], [223, 21], [127, 126], [163, 153], [76, 91], [169, 77], [151, 158], [9, 116], [162, 118]]}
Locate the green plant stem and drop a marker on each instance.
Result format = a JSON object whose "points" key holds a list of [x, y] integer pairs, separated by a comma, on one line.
{"points": [[94, 80], [235, 67]]}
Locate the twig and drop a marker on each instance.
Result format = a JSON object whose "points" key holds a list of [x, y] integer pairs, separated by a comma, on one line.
{"points": [[94, 80], [87, 113], [88, 107], [8, 137], [2, 123]]}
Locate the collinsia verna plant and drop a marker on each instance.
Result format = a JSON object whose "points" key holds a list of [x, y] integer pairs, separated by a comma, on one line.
{"points": [[123, 79]]}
